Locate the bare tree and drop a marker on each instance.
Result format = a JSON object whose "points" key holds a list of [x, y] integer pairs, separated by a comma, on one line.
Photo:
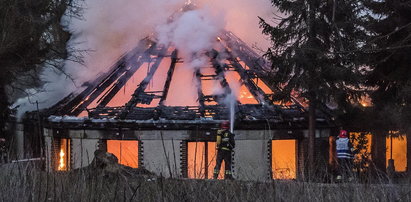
{"points": [[31, 37]]}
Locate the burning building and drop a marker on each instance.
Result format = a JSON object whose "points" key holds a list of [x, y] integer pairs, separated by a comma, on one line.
{"points": [[158, 108], [143, 111]]}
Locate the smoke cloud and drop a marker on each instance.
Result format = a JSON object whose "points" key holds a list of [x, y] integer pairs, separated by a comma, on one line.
{"points": [[193, 33], [106, 30]]}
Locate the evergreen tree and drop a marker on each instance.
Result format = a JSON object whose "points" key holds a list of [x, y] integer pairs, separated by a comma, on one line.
{"points": [[314, 52], [389, 59], [389, 48]]}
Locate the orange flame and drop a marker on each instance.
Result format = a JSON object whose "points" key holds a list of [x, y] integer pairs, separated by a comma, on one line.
{"points": [[62, 165]]}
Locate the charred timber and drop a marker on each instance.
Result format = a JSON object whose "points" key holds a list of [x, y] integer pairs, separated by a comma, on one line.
{"points": [[132, 126], [138, 95], [174, 60], [122, 80], [219, 70], [79, 103], [201, 99]]}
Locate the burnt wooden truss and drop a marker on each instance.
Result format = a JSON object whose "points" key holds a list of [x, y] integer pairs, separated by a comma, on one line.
{"points": [[105, 87]]}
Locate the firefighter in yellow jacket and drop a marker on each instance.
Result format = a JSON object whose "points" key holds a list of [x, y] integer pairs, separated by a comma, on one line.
{"points": [[225, 145]]}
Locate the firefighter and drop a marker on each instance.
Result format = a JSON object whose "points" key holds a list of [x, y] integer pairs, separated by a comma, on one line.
{"points": [[225, 145], [344, 150]]}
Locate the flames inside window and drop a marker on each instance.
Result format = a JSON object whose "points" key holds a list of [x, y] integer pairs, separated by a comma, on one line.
{"points": [[201, 160], [63, 155], [283, 159], [396, 149], [125, 150]]}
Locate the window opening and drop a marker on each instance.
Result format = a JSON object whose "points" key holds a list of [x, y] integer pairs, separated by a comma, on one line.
{"points": [[125, 150], [283, 159], [201, 160]]}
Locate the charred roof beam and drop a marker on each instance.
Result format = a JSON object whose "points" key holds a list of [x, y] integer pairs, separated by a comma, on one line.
{"points": [[201, 98], [247, 81], [139, 92], [252, 59], [100, 84], [219, 70], [170, 73], [122, 81]]}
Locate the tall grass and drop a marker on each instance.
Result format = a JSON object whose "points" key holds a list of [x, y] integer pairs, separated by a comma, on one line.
{"points": [[26, 182]]}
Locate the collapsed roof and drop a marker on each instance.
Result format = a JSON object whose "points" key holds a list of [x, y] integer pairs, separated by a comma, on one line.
{"points": [[153, 83]]}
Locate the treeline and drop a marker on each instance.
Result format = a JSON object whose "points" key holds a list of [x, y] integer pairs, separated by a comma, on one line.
{"points": [[353, 54]]}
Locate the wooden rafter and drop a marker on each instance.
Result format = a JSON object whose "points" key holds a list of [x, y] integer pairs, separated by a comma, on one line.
{"points": [[81, 101], [139, 92], [201, 99], [122, 80], [174, 60]]}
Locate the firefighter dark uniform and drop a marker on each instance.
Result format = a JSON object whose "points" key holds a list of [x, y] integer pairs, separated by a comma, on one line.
{"points": [[225, 145], [344, 150]]}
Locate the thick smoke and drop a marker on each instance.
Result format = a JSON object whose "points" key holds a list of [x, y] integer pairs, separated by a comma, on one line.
{"points": [[193, 33], [106, 30], [110, 28]]}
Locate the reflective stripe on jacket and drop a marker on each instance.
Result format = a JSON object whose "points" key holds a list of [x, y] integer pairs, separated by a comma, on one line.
{"points": [[223, 140], [343, 148]]}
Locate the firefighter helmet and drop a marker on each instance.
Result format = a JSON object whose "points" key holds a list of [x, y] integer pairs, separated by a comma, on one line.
{"points": [[343, 134], [225, 125]]}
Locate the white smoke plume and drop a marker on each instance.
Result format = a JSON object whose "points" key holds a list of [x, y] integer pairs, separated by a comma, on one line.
{"points": [[193, 33]]}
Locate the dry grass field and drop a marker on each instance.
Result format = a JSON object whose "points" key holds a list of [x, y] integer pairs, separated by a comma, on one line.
{"points": [[24, 182]]}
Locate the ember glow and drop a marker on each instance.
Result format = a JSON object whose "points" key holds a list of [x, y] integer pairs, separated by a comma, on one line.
{"points": [[62, 165], [63, 156], [240, 90]]}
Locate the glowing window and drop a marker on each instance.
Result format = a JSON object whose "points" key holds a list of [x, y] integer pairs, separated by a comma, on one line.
{"points": [[396, 149], [63, 154], [125, 150], [201, 160], [283, 159]]}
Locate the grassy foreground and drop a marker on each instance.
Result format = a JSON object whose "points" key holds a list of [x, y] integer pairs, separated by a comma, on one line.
{"points": [[26, 183]]}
